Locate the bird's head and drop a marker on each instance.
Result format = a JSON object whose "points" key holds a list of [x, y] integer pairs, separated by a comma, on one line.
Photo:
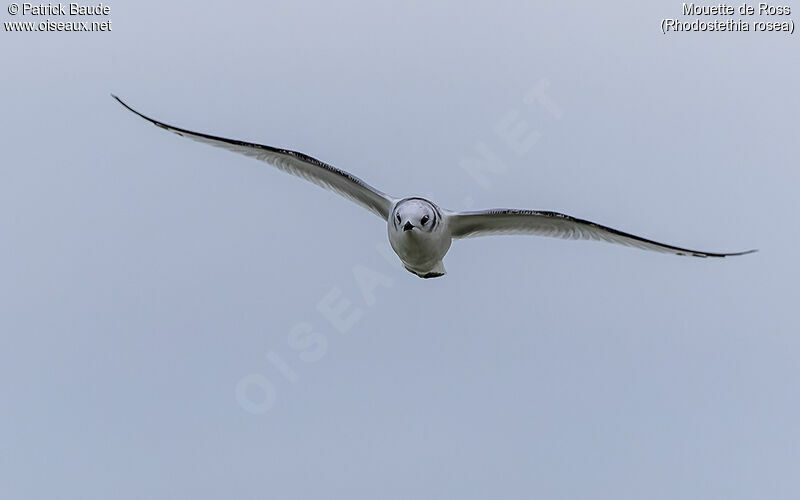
{"points": [[415, 215]]}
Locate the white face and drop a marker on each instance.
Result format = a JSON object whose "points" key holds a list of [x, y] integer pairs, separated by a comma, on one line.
{"points": [[415, 216]]}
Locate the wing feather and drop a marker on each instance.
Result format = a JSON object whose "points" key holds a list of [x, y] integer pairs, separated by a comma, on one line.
{"points": [[556, 225], [295, 163]]}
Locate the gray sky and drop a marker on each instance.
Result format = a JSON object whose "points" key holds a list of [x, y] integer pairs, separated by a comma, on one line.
{"points": [[146, 277]]}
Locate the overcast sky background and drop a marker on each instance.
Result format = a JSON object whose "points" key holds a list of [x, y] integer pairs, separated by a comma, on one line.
{"points": [[144, 276]]}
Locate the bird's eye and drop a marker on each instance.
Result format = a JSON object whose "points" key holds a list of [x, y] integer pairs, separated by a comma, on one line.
{"points": [[424, 220], [398, 217]]}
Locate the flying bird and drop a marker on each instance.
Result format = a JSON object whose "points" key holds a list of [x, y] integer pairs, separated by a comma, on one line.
{"points": [[420, 231]]}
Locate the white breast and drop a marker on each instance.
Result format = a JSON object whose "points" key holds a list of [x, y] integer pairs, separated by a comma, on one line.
{"points": [[420, 251]]}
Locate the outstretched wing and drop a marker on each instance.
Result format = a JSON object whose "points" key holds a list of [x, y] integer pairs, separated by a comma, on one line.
{"points": [[295, 163], [509, 221]]}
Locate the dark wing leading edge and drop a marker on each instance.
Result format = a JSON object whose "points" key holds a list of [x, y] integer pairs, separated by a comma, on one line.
{"points": [[295, 163], [509, 221]]}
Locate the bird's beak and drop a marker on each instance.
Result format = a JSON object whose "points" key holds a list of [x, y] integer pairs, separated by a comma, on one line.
{"points": [[407, 226]]}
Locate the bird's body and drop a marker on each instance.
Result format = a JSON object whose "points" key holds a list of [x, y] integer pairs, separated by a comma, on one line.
{"points": [[420, 232], [419, 235]]}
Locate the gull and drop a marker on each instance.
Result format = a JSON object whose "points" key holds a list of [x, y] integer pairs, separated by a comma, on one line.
{"points": [[420, 231]]}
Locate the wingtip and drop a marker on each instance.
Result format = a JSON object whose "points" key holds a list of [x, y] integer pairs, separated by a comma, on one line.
{"points": [[125, 105], [736, 254], [116, 98]]}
